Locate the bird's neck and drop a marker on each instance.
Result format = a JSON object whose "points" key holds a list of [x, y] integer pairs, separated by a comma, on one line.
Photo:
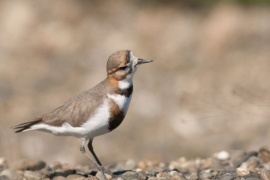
{"points": [[121, 84]]}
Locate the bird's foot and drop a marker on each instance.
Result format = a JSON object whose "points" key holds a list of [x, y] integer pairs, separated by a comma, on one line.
{"points": [[82, 149], [103, 174]]}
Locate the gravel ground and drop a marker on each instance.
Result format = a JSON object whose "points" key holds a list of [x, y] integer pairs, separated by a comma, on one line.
{"points": [[251, 165]]}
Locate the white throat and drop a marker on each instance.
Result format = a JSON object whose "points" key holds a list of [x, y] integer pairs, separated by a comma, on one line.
{"points": [[125, 83]]}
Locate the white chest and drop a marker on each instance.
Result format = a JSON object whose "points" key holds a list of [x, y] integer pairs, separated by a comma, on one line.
{"points": [[121, 100]]}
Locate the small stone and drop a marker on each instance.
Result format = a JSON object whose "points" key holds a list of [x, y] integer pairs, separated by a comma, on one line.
{"points": [[142, 175], [130, 175], [100, 176], [205, 174], [174, 165], [197, 163], [176, 175], [18, 175], [2, 161], [27, 164], [173, 173], [153, 178], [30, 175], [119, 178], [243, 158], [59, 178], [75, 177], [206, 163], [253, 162], [162, 165], [185, 166], [6, 173], [264, 154], [3, 164], [67, 166], [222, 155], [56, 165], [265, 174], [60, 172], [92, 178], [152, 173], [227, 176], [130, 164], [164, 175], [251, 177], [142, 165], [194, 176], [242, 171]]}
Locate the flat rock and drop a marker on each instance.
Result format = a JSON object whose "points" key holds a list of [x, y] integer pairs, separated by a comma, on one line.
{"points": [[31, 175], [130, 175], [27, 164], [75, 177]]}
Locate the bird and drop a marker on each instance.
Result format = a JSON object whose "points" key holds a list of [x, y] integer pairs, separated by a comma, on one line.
{"points": [[96, 111]]}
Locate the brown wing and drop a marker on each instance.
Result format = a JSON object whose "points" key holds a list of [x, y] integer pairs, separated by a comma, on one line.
{"points": [[78, 109]]}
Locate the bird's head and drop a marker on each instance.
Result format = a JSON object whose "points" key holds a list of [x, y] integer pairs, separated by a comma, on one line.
{"points": [[122, 65]]}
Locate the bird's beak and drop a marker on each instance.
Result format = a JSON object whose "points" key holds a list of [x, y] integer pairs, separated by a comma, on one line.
{"points": [[143, 61]]}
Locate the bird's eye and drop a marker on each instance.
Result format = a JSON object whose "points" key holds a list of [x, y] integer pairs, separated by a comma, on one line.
{"points": [[123, 68]]}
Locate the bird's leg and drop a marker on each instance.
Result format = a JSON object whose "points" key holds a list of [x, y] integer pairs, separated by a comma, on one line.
{"points": [[83, 151], [91, 149], [97, 162]]}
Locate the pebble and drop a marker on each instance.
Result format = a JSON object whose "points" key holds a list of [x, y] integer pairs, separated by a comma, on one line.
{"points": [[265, 174], [164, 175], [6, 173], [75, 177], [205, 174], [3, 164], [242, 171], [28, 164], [264, 154], [142, 175], [152, 173], [55, 165], [100, 176], [177, 176], [142, 165], [251, 177], [243, 158], [32, 175], [253, 162], [59, 178], [227, 176], [194, 176], [130, 164], [130, 175], [222, 155]]}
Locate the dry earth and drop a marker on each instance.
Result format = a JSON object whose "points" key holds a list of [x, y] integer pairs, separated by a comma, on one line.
{"points": [[240, 165]]}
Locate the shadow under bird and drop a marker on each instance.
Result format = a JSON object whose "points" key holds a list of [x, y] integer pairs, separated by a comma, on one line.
{"points": [[95, 111]]}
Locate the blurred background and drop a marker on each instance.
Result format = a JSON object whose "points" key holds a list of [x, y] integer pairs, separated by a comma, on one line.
{"points": [[207, 90]]}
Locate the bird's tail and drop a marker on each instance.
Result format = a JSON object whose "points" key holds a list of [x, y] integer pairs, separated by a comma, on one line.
{"points": [[25, 126]]}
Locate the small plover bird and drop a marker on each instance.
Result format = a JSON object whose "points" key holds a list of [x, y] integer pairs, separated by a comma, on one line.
{"points": [[95, 111]]}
